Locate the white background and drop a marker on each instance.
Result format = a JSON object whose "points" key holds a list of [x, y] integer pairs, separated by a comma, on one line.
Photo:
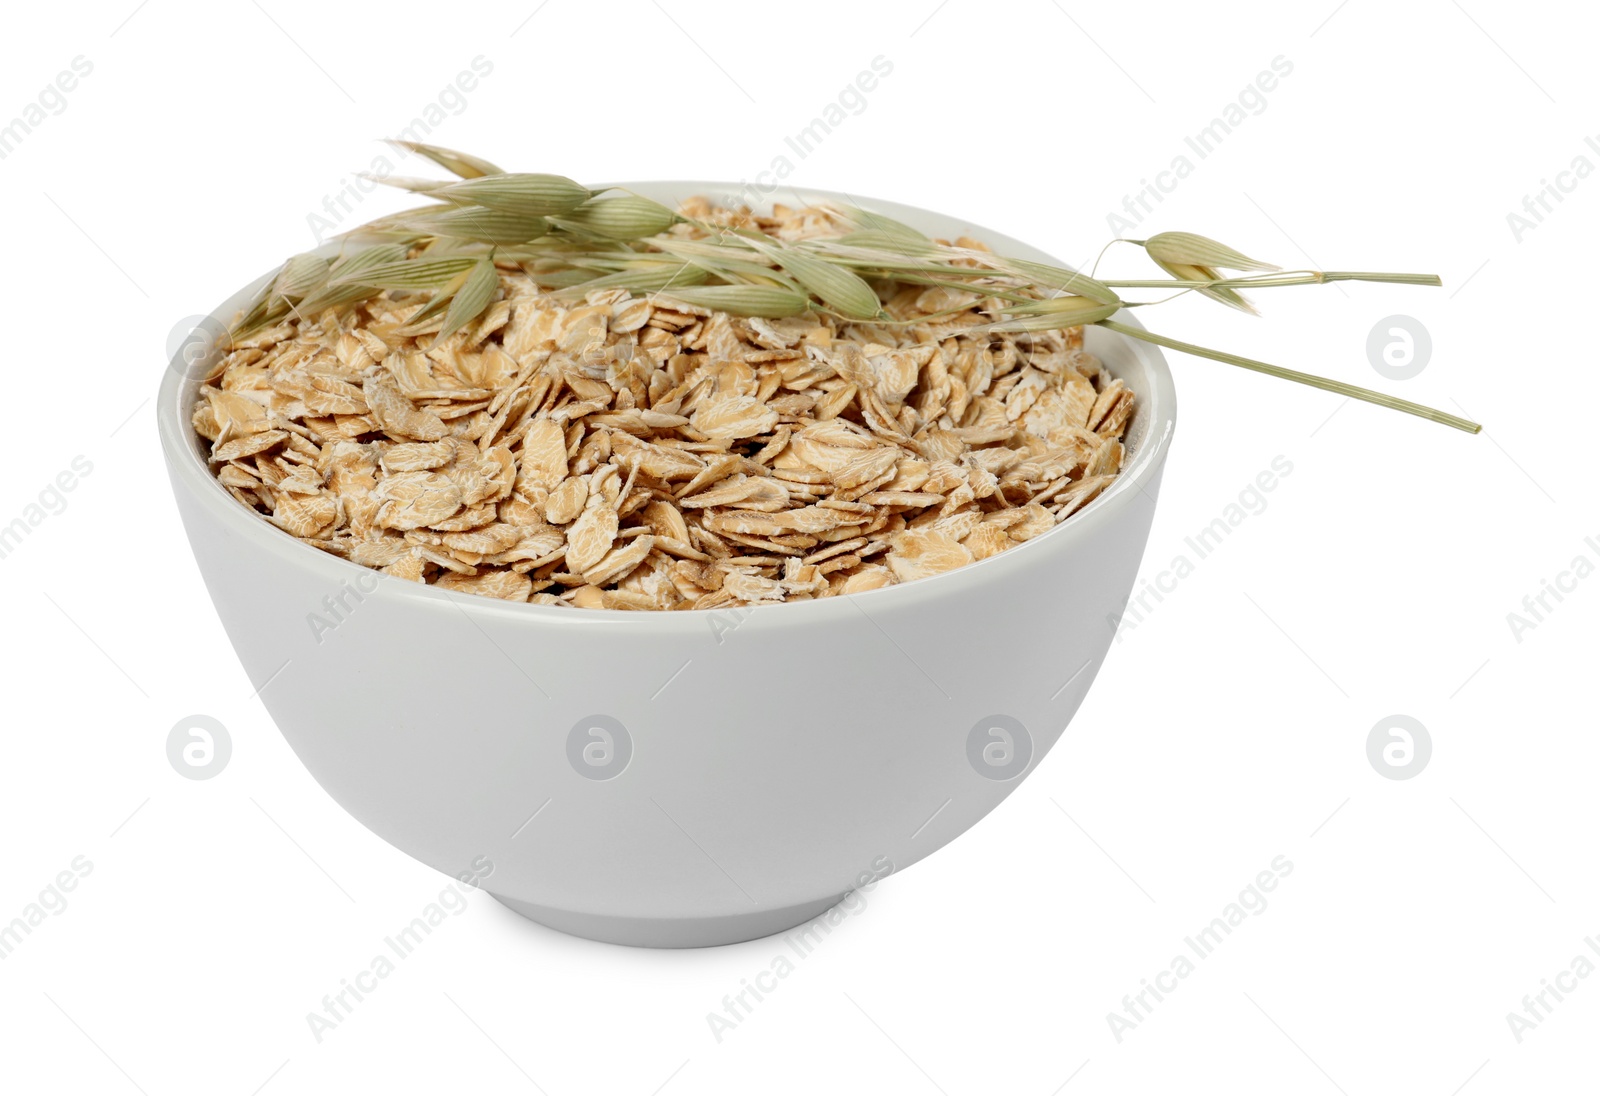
{"points": [[1228, 728]]}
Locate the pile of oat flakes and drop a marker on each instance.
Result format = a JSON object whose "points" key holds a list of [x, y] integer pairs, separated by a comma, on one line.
{"points": [[640, 453]]}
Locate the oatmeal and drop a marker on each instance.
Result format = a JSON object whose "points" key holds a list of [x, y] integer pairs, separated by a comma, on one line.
{"points": [[631, 450]]}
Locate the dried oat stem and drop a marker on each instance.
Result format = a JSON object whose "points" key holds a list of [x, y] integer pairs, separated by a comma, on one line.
{"points": [[1354, 392], [1288, 277]]}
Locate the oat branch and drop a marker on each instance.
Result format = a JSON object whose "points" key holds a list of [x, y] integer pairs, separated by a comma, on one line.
{"points": [[573, 240]]}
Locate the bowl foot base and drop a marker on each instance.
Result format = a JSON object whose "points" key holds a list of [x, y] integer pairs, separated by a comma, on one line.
{"points": [[671, 932]]}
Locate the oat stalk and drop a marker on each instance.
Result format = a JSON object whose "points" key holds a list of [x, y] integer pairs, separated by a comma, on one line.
{"points": [[573, 240], [1354, 392]]}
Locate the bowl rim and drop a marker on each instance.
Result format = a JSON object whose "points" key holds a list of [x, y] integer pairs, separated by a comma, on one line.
{"points": [[189, 471]]}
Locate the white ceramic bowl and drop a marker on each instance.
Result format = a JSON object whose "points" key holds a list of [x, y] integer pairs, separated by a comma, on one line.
{"points": [[689, 778]]}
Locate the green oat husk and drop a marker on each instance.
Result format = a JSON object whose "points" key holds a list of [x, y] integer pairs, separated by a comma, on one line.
{"points": [[458, 163], [406, 273], [1054, 314], [301, 275], [475, 222], [834, 286], [468, 302], [535, 195], [1192, 249], [623, 217], [770, 301], [642, 279]]}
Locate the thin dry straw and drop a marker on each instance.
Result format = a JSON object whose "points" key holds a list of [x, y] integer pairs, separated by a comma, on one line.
{"points": [[1355, 392]]}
